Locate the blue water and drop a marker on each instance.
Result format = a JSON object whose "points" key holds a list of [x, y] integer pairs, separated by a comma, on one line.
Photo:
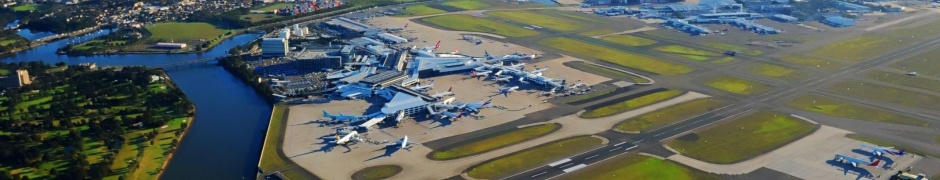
{"points": [[30, 35], [225, 139]]}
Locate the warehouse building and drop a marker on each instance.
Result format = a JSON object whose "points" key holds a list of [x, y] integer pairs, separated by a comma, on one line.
{"points": [[274, 47], [838, 21]]}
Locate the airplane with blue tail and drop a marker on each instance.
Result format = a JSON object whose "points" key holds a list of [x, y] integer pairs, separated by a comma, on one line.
{"points": [[856, 161], [881, 151]]}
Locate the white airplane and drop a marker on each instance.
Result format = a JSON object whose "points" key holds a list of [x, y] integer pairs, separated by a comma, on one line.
{"points": [[441, 95], [351, 137], [538, 71], [911, 73], [340, 117], [548, 93], [400, 117], [855, 161], [506, 90], [423, 88], [502, 79], [475, 107], [881, 151], [402, 144], [451, 116], [474, 73]]}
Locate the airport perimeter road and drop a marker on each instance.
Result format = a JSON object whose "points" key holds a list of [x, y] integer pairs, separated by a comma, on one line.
{"points": [[622, 143]]}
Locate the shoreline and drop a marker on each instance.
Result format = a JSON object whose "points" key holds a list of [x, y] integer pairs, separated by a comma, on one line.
{"points": [[169, 157]]}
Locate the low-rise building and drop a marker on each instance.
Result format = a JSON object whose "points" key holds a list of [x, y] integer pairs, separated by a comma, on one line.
{"points": [[274, 47], [16, 80], [838, 21]]}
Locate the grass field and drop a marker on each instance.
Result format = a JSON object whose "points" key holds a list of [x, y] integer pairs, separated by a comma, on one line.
{"points": [[580, 17], [723, 60], [6, 42], [880, 142], [28, 7], [920, 32], [618, 57], [467, 4], [742, 138], [464, 22], [258, 17], [421, 9], [4, 72], [537, 19], [904, 80], [272, 7], [179, 31], [629, 40], [639, 167], [597, 32], [736, 48], [860, 48], [736, 85], [844, 109], [776, 71], [607, 72], [532, 157], [270, 160], [671, 114], [812, 62], [630, 104], [925, 63], [379, 172], [495, 142], [886, 94], [687, 52]]}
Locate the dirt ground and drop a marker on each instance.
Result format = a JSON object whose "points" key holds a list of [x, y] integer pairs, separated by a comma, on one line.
{"points": [[450, 40]]}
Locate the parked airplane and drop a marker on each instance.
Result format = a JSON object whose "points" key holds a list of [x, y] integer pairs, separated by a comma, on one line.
{"points": [[402, 144], [475, 107], [474, 73], [506, 90], [351, 137], [441, 95], [451, 116], [855, 161], [340, 117], [911, 73], [538, 71], [502, 79], [881, 151], [548, 93], [456, 51], [423, 88]]}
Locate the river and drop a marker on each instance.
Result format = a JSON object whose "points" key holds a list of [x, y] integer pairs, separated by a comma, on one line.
{"points": [[225, 139]]}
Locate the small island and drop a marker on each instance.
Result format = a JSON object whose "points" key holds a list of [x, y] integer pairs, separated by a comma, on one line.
{"points": [[78, 121]]}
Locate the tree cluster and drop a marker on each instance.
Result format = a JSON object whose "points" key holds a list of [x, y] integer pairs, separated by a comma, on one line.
{"points": [[239, 68]]}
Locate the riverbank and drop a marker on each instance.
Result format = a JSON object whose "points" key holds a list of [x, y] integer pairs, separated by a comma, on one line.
{"points": [[192, 118], [44, 40]]}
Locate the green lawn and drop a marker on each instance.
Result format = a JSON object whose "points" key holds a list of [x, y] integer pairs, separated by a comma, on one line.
{"points": [[597, 32], [925, 63], [272, 7], [860, 48], [532, 157], [814, 62], [723, 60], [629, 40], [630, 104], [184, 31], [886, 94], [671, 114], [494, 142], [28, 7], [464, 22], [736, 85], [736, 48], [538, 19], [270, 160], [920, 32], [4, 72], [687, 52], [607, 72], [379, 172], [258, 17], [6, 42], [904, 80], [844, 109], [467, 4], [742, 138], [618, 57], [776, 71], [421, 9], [639, 167]]}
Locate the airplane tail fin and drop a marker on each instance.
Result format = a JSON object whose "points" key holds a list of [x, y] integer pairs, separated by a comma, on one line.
{"points": [[326, 114], [875, 163], [451, 88], [901, 152], [438, 45]]}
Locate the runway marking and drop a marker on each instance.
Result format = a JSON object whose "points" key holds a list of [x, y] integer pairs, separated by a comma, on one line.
{"points": [[619, 144], [660, 134], [575, 168], [591, 156], [629, 148], [566, 165], [614, 149], [559, 162], [540, 173], [637, 142]]}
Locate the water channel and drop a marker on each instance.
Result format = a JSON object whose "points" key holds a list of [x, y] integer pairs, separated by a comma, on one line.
{"points": [[225, 140]]}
